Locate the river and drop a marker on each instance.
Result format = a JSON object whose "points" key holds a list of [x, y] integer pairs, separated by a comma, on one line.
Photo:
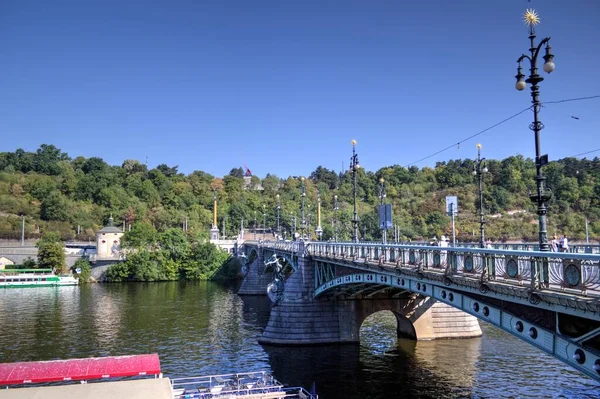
{"points": [[205, 328]]}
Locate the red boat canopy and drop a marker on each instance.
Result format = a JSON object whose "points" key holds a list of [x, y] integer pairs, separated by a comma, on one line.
{"points": [[79, 369]]}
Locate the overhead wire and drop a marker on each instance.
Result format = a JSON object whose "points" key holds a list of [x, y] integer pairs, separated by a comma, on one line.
{"points": [[504, 121], [584, 153], [571, 99], [474, 135]]}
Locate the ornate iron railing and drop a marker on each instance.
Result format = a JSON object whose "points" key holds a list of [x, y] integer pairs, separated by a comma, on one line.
{"points": [[573, 248], [293, 247], [559, 271]]}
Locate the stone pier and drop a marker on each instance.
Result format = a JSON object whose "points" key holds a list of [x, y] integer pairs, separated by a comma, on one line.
{"points": [[298, 319], [256, 282]]}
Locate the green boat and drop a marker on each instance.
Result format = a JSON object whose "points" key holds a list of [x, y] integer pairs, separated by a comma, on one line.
{"points": [[25, 278]]}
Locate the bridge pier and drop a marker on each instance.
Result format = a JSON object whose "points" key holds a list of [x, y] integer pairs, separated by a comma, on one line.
{"points": [[299, 319], [256, 282]]}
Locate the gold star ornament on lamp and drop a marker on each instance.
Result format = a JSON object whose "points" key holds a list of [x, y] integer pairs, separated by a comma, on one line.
{"points": [[531, 18]]}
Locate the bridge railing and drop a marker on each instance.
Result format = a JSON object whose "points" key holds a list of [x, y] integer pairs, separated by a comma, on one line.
{"points": [[293, 247], [563, 271], [573, 248]]}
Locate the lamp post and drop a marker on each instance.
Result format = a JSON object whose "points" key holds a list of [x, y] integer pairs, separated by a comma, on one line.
{"points": [[23, 229], [278, 208], [478, 170], [303, 219], [264, 221], [293, 219], [381, 198], [308, 220], [354, 167], [319, 230], [335, 209], [542, 195]]}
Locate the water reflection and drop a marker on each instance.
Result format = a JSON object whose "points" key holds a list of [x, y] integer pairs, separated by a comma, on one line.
{"points": [[205, 328]]}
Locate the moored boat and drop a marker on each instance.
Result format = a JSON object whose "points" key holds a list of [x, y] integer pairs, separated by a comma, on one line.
{"points": [[25, 278], [255, 385], [137, 377]]}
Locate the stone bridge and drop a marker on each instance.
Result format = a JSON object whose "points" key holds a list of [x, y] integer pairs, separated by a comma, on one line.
{"points": [[18, 255], [322, 292]]}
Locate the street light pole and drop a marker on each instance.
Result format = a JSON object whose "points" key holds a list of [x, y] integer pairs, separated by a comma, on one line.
{"points": [[303, 219], [381, 198], [23, 230], [264, 221], [542, 195], [293, 218], [479, 169], [319, 230], [335, 209], [354, 167], [278, 208], [308, 221]]}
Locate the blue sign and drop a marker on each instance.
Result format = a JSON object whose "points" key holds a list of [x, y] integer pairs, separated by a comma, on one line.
{"points": [[451, 205], [385, 216]]}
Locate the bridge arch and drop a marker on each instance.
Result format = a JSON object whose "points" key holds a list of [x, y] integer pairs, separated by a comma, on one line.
{"points": [[404, 327], [537, 331]]}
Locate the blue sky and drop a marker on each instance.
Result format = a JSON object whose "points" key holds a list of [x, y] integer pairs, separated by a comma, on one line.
{"points": [[285, 85]]}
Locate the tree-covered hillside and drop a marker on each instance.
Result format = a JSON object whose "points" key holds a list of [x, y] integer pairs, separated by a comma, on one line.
{"points": [[69, 195]]}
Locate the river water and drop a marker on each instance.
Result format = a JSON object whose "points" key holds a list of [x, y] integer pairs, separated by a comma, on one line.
{"points": [[201, 328]]}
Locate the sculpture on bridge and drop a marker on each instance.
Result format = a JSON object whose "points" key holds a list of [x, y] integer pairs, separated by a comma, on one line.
{"points": [[245, 268], [276, 287]]}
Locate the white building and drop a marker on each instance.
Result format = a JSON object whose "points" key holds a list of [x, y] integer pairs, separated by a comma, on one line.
{"points": [[108, 241]]}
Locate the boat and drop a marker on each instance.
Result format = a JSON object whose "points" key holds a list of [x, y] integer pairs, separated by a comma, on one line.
{"points": [[250, 385], [133, 377], [23, 278]]}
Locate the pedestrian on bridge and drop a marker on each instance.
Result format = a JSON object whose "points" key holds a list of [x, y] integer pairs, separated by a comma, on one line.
{"points": [[564, 244], [554, 244]]}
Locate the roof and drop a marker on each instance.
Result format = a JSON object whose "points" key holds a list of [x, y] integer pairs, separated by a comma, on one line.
{"points": [[110, 229], [78, 369], [156, 388]]}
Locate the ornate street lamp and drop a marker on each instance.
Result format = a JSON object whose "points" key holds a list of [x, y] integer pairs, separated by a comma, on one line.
{"points": [[308, 220], [382, 196], [278, 208], [542, 195], [264, 223], [335, 209], [303, 219], [293, 219], [479, 169], [319, 229], [354, 166]]}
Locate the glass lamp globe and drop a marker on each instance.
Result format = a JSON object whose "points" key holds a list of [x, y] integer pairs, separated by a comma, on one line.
{"points": [[549, 67], [520, 85]]}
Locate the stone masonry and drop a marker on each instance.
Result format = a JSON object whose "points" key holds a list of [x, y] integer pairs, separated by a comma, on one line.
{"points": [[256, 282], [299, 319]]}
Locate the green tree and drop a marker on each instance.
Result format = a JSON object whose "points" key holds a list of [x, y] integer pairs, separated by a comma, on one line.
{"points": [[46, 159], [142, 235], [51, 252], [203, 262], [85, 270], [174, 243], [55, 207]]}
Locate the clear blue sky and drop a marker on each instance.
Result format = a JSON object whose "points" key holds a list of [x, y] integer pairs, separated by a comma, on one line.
{"points": [[285, 85]]}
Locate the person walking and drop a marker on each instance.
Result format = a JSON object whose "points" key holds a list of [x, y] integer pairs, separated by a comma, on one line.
{"points": [[554, 244], [564, 243]]}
